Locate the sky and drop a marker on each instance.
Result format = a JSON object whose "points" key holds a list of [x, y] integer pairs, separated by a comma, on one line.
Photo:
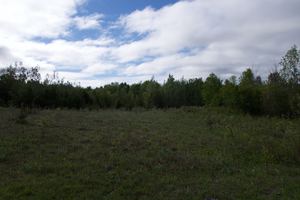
{"points": [[96, 42]]}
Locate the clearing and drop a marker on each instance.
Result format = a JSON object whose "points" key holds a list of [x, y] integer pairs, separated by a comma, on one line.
{"points": [[187, 153]]}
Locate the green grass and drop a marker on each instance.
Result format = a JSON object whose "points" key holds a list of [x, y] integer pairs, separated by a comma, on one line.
{"points": [[187, 153]]}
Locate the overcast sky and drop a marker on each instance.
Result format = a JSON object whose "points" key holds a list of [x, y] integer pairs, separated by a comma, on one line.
{"points": [[96, 42]]}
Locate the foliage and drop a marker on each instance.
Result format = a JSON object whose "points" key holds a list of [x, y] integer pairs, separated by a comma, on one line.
{"points": [[211, 88], [279, 95], [249, 93], [291, 66], [229, 93]]}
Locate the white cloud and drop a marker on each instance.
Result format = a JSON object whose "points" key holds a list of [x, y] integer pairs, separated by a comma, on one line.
{"points": [[23, 21], [85, 56], [88, 22], [230, 34], [31, 18], [6, 57], [189, 38], [99, 68]]}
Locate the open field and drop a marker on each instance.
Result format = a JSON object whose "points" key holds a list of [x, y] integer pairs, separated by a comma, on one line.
{"points": [[187, 153]]}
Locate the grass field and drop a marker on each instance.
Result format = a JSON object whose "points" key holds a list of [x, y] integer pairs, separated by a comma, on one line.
{"points": [[187, 153]]}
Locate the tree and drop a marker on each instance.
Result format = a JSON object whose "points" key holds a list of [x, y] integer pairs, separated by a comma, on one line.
{"points": [[275, 96], [290, 72], [193, 92], [279, 95], [229, 93], [247, 78], [291, 66], [169, 92], [211, 88], [249, 94], [152, 94]]}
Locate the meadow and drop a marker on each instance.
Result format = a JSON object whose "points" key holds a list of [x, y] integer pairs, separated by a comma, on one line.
{"points": [[184, 153]]}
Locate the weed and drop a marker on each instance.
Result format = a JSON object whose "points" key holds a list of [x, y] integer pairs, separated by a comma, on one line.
{"points": [[179, 154], [22, 116]]}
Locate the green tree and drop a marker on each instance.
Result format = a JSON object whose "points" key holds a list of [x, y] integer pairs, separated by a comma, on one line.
{"points": [[193, 90], [211, 89], [290, 72], [249, 93], [291, 66], [152, 94], [229, 92], [275, 96]]}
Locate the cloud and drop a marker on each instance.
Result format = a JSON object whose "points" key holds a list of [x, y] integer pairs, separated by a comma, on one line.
{"points": [[190, 38], [88, 22], [5, 56], [24, 21], [83, 56], [30, 18], [230, 34]]}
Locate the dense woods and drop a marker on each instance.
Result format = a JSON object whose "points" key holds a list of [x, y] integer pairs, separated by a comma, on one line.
{"points": [[278, 95]]}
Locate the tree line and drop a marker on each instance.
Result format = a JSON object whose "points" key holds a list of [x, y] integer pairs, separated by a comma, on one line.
{"points": [[279, 95]]}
